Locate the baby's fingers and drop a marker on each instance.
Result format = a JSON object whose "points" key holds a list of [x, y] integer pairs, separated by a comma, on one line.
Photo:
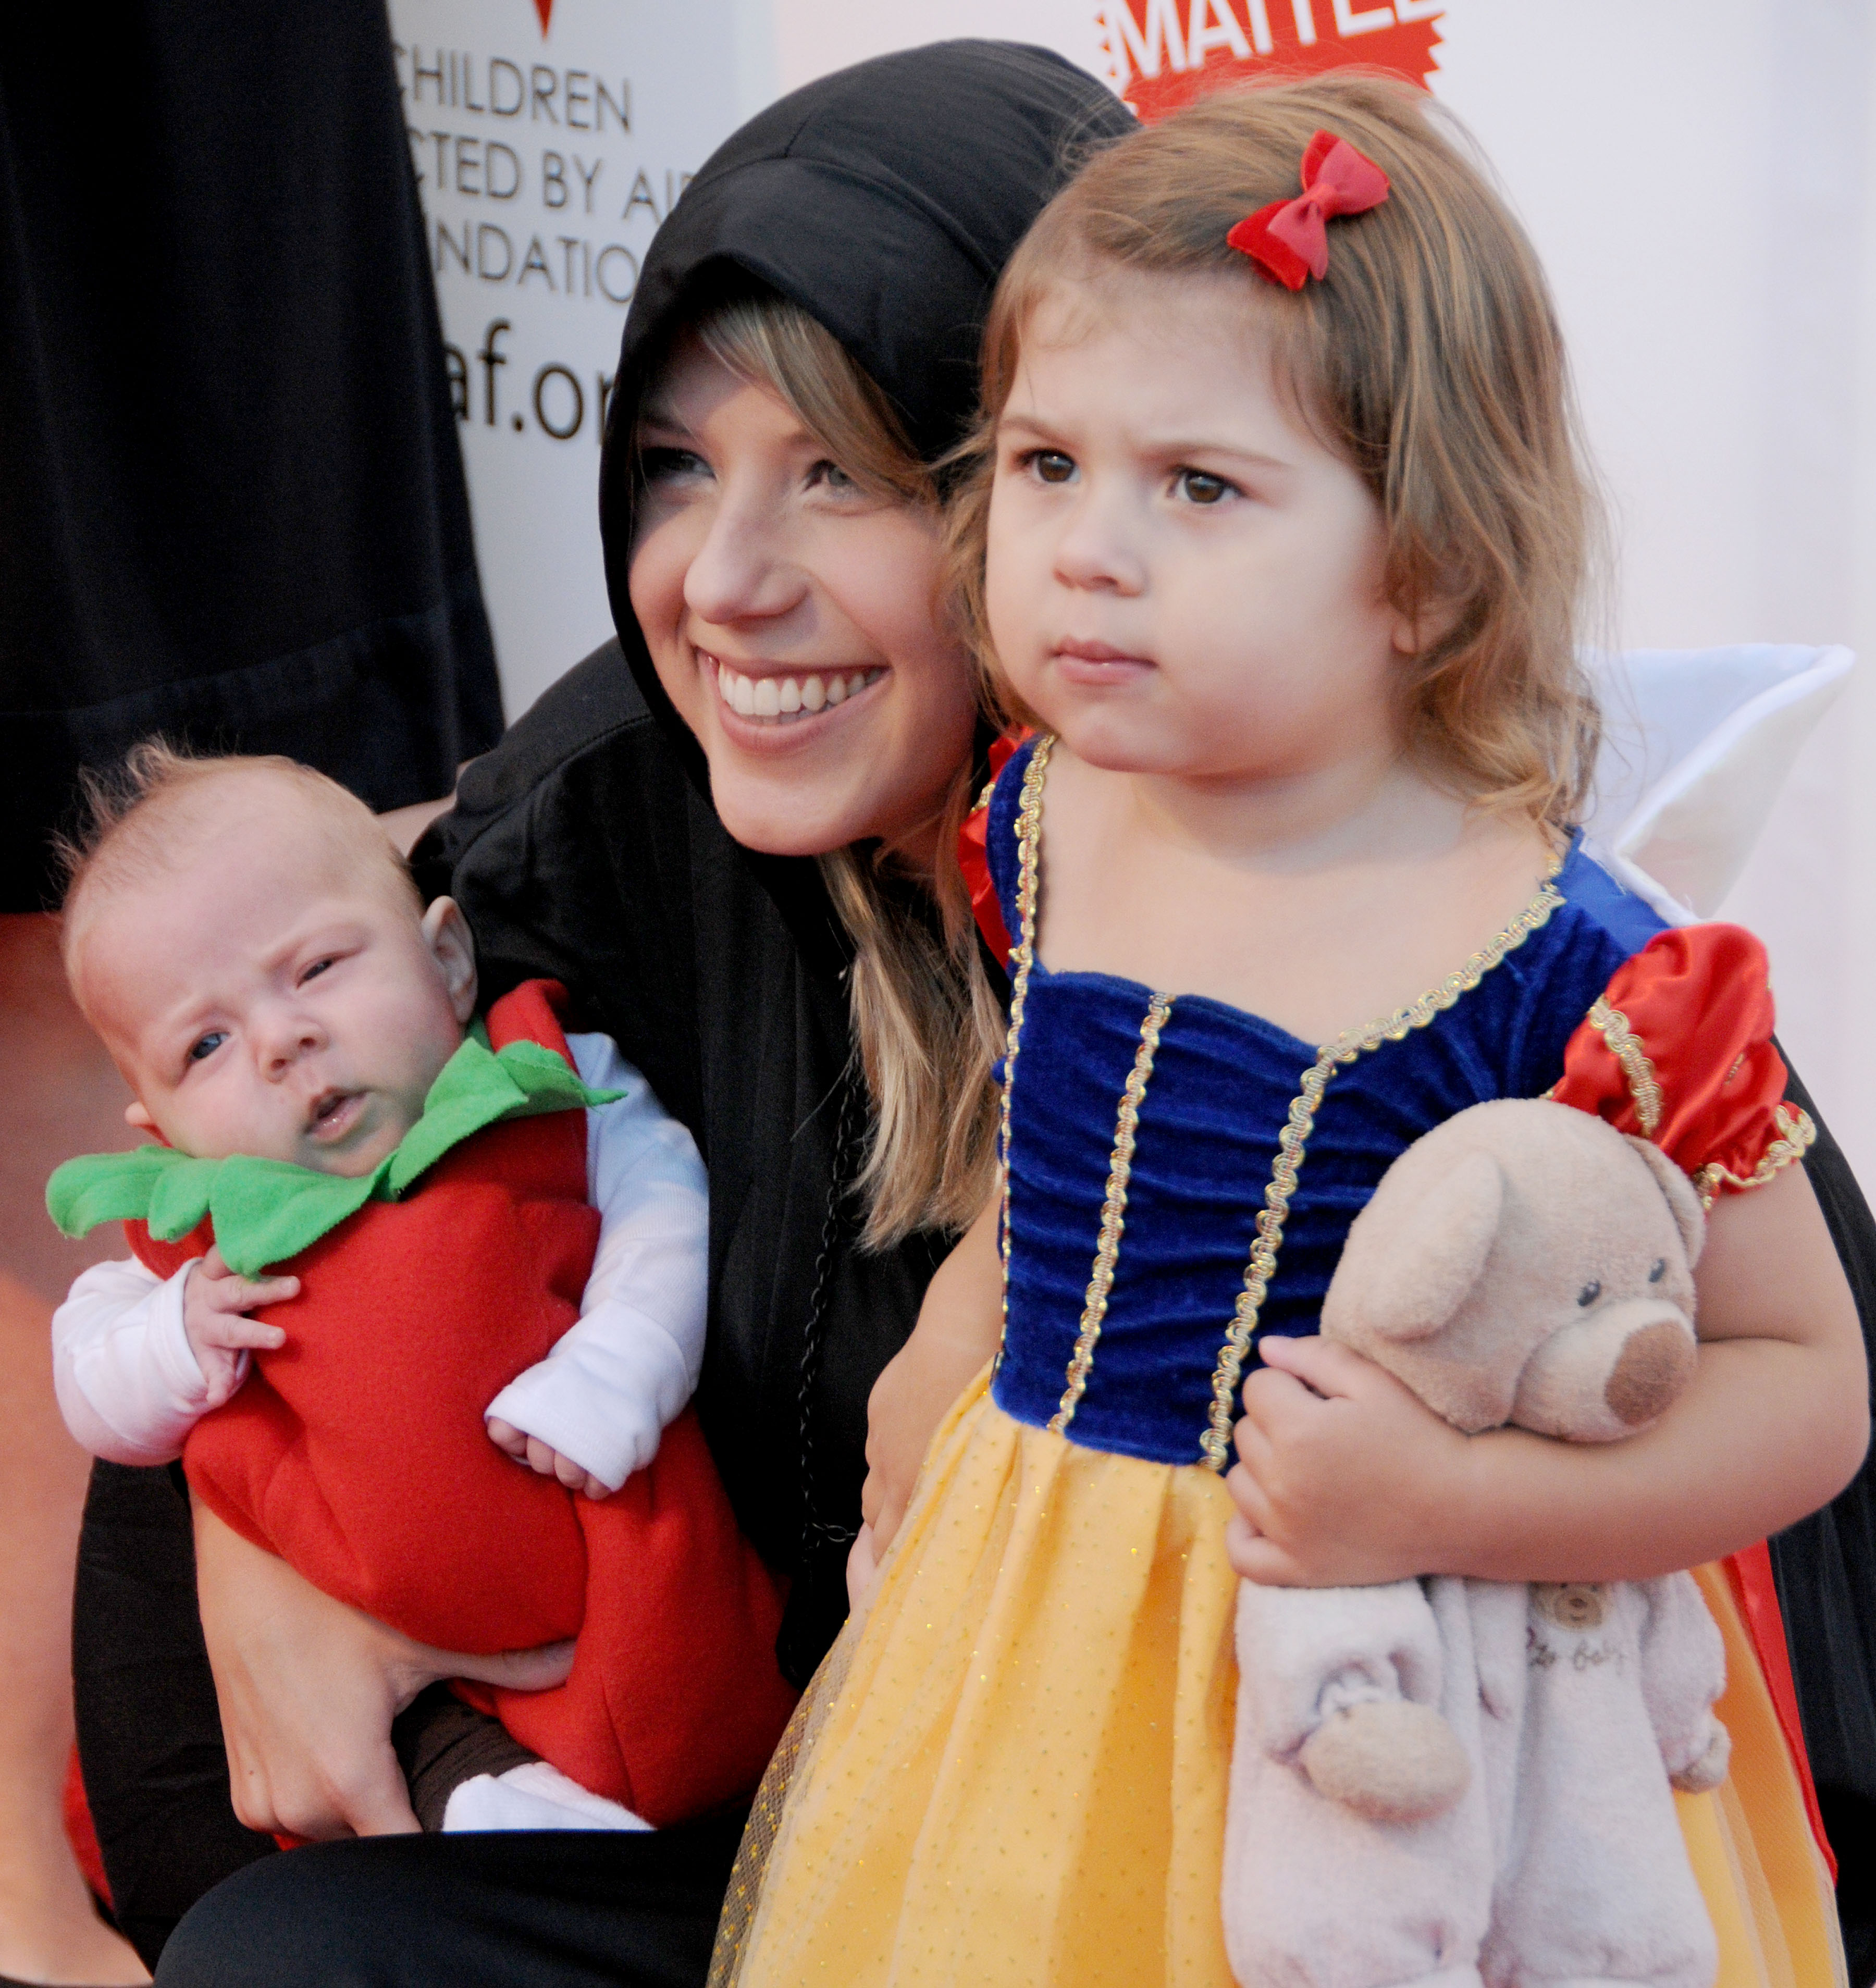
{"points": [[506, 1437], [235, 1294], [233, 1330]]}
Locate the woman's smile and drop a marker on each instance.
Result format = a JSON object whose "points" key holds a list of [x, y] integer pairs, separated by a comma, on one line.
{"points": [[767, 701]]}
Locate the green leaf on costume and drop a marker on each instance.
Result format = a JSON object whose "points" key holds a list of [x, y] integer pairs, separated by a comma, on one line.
{"points": [[266, 1211]]}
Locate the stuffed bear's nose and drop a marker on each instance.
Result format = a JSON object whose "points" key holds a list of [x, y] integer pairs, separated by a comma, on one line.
{"points": [[1607, 1372], [1655, 1364]]}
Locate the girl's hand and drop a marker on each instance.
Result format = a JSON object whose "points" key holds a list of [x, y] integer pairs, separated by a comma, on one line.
{"points": [[215, 1304], [538, 1456], [1344, 1477], [307, 1689]]}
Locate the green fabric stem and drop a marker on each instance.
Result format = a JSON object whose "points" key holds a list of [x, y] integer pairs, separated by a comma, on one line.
{"points": [[266, 1211]]}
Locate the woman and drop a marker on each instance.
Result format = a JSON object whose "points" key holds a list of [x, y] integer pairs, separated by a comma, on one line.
{"points": [[884, 202]]}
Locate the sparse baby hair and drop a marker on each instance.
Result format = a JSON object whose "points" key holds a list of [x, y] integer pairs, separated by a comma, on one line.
{"points": [[139, 816], [1429, 357]]}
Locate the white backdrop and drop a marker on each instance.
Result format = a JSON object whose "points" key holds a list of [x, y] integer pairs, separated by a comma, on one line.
{"points": [[1697, 174]]}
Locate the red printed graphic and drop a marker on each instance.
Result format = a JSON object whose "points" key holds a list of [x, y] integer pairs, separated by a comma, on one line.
{"points": [[544, 9], [1165, 52]]}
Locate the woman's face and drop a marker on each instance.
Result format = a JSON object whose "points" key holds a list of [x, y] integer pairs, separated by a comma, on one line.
{"points": [[793, 621]]}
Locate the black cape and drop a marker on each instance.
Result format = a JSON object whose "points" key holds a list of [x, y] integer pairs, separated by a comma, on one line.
{"points": [[232, 502]]}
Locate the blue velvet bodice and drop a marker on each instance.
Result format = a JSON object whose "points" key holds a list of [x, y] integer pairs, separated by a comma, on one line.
{"points": [[1207, 1141]]}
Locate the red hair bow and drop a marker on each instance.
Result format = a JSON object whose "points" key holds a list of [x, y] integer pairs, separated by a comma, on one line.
{"points": [[1289, 240]]}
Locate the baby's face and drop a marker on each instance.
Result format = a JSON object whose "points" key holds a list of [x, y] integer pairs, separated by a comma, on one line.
{"points": [[273, 995]]}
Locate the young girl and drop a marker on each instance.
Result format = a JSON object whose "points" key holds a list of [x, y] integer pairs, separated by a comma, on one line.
{"points": [[1277, 540]]}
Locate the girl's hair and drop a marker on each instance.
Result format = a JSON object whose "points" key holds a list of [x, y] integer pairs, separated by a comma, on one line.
{"points": [[928, 1024], [1429, 357]]}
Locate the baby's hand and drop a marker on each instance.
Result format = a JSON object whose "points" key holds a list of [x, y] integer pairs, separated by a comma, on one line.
{"points": [[530, 1450], [215, 1303], [1344, 1477]]}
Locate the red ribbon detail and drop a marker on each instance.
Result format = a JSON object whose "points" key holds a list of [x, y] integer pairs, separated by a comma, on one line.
{"points": [[1289, 240]]}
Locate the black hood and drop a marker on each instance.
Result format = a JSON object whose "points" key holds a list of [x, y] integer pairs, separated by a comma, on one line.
{"points": [[883, 200]]}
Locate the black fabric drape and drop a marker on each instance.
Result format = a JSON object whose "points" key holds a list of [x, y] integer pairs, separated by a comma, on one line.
{"points": [[232, 501]]}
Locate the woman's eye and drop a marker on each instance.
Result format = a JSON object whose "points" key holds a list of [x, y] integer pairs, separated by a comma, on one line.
{"points": [[1199, 486], [1052, 466], [206, 1045], [831, 476], [663, 466]]}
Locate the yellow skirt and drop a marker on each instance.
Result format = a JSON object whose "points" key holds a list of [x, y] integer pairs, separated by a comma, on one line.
{"points": [[1012, 1770]]}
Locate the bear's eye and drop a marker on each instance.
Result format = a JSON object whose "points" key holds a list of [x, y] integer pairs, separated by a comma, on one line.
{"points": [[1659, 1271], [1589, 1292]]}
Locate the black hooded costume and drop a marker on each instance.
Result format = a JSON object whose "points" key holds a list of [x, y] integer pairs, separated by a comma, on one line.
{"points": [[884, 199]]}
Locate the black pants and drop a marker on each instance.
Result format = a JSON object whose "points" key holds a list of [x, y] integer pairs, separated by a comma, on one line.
{"points": [[580, 1908]]}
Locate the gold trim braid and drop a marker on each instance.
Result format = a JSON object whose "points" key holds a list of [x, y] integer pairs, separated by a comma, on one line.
{"points": [[1114, 1213], [1292, 1142], [1797, 1136], [1022, 957], [1625, 1046]]}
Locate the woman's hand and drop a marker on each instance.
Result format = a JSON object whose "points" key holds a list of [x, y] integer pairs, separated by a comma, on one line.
{"points": [[959, 1325], [308, 1689]]}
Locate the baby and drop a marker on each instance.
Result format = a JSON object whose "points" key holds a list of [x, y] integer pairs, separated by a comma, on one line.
{"points": [[383, 1257]]}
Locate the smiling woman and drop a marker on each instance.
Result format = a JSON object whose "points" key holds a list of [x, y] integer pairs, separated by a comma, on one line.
{"points": [[786, 561]]}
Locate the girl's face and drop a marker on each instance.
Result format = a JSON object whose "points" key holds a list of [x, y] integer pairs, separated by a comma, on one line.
{"points": [[793, 618], [1182, 579]]}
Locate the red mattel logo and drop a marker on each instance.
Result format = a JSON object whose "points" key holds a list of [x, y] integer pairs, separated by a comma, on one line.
{"points": [[544, 9], [1166, 53]]}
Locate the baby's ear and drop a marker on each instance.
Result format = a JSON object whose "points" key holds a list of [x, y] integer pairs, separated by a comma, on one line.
{"points": [[1678, 1190], [1416, 1257], [452, 945]]}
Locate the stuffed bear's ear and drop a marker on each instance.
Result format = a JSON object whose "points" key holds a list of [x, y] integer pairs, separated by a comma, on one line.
{"points": [[1683, 1202], [1422, 1257]]}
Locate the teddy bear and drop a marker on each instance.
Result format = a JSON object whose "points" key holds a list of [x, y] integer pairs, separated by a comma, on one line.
{"points": [[1451, 1782]]}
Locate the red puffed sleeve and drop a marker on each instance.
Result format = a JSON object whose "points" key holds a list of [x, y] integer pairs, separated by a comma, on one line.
{"points": [[974, 858], [1679, 1048]]}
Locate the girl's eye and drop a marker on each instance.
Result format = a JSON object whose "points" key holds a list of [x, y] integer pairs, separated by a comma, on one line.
{"points": [[1590, 1294], [663, 465], [206, 1045], [831, 476], [1200, 486], [1052, 466]]}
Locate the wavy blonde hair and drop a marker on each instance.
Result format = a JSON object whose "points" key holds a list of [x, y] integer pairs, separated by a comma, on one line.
{"points": [[1429, 357], [927, 1023]]}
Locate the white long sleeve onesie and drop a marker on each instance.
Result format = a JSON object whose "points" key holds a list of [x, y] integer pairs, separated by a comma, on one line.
{"points": [[130, 1390]]}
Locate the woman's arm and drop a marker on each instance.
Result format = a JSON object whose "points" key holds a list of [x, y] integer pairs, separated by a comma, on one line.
{"points": [[307, 1689], [1345, 1478], [959, 1326]]}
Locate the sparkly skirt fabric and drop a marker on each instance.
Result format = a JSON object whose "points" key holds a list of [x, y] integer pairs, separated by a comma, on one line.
{"points": [[1011, 1770]]}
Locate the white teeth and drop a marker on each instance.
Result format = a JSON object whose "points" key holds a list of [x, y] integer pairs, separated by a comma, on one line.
{"points": [[788, 697]]}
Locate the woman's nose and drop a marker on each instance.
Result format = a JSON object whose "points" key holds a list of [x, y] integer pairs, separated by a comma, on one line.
{"points": [[743, 568]]}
